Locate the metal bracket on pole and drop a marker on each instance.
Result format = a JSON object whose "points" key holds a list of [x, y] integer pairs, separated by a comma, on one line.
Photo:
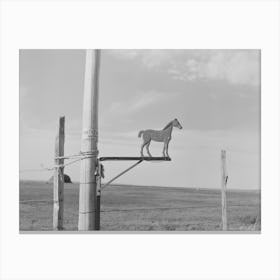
{"points": [[98, 178], [98, 196], [119, 175]]}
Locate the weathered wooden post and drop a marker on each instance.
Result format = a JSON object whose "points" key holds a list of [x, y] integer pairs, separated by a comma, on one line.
{"points": [[223, 190], [58, 177], [87, 196]]}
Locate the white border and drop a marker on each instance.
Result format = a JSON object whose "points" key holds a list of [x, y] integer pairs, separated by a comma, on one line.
{"points": [[198, 24]]}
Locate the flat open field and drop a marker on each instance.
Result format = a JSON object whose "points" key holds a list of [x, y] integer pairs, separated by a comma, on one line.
{"points": [[139, 208]]}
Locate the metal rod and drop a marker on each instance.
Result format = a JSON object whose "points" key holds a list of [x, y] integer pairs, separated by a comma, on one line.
{"points": [[119, 175]]}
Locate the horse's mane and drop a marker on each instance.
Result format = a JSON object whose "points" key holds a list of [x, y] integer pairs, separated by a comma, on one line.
{"points": [[169, 124]]}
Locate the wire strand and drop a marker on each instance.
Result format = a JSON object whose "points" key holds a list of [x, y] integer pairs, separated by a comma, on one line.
{"points": [[55, 166]]}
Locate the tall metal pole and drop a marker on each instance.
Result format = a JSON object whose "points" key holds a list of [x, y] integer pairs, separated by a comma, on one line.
{"points": [[87, 196]]}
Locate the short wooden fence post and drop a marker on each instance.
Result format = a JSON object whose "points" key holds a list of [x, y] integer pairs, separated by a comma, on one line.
{"points": [[223, 190], [58, 178]]}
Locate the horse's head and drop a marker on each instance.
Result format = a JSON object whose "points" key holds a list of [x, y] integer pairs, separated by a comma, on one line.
{"points": [[177, 124]]}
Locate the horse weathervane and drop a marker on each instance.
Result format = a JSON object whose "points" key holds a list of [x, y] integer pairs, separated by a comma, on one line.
{"points": [[163, 135]]}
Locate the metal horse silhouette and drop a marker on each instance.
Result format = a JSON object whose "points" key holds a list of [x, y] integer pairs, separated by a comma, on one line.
{"points": [[163, 135]]}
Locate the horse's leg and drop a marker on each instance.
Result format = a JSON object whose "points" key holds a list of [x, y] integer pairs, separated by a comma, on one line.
{"points": [[164, 149], [145, 142], [167, 144], [147, 147]]}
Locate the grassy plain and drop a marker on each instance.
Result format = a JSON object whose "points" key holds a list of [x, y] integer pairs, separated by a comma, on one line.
{"points": [[142, 208]]}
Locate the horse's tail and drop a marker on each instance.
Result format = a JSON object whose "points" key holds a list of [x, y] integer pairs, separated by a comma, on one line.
{"points": [[140, 133]]}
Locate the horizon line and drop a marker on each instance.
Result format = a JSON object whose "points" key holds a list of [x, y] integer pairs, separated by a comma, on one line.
{"points": [[155, 186]]}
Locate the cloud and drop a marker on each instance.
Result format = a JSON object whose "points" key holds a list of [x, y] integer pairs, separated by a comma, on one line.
{"points": [[150, 58], [237, 67], [125, 54], [144, 101], [241, 67], [138, 102], [156, 58]]}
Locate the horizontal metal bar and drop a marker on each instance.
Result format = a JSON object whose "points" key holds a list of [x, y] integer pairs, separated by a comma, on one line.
{"points": [[135, 158]]}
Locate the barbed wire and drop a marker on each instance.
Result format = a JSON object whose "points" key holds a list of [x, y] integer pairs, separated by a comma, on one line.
{"points": [[81, 156], [31, 201], [49, 168], [143, 209]]}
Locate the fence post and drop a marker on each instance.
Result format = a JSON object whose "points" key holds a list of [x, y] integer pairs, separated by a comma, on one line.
{"points": [[58, 178], [87, 192], [223, 190]]}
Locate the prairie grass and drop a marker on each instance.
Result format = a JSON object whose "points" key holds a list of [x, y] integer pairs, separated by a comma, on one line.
{"points": [[141, 208]]}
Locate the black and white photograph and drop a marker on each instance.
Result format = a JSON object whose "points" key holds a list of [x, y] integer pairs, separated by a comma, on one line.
{"points": [[140, 140]]}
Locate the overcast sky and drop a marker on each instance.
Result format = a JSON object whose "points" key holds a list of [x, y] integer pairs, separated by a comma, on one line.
{"points": [[215, 94]]}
